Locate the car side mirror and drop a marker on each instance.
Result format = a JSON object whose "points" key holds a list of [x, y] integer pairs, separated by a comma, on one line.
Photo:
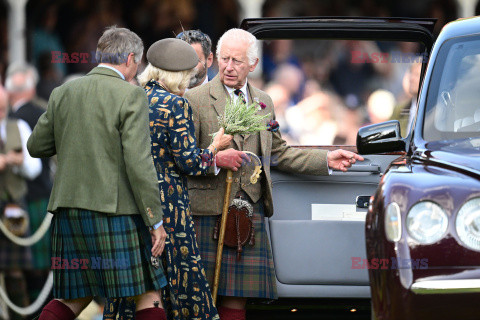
{"points": [[380, 138]]}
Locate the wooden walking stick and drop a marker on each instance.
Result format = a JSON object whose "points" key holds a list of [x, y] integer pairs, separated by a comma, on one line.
{"points": [[218, 260], [223, 223]]}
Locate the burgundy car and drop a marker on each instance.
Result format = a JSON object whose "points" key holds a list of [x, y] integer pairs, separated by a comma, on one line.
{"points": [[423, 223]]}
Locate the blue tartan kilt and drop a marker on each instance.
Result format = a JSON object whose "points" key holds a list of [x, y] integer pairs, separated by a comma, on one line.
{"points": [[94, 254]]}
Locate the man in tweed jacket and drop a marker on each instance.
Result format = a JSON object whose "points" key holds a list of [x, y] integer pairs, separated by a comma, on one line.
{"points": [[253, 276], [105, 193]]}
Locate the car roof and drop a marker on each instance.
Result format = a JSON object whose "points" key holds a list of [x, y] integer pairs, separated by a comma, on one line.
{"points": [[360, 28], [460, 27]]}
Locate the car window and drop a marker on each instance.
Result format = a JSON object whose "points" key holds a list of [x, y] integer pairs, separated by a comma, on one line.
{"points": [[453, 101], [324, 90]]}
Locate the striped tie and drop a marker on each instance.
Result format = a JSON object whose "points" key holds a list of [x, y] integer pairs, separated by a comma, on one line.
{"points": [[240, 95]]}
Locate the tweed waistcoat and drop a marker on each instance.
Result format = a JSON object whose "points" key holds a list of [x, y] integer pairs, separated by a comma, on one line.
{"points": [[12, 186]]}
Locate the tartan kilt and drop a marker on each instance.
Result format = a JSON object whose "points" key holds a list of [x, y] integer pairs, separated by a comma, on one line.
{"points": [[41, 251], [117, 250], [251, 277], [14, 257]]}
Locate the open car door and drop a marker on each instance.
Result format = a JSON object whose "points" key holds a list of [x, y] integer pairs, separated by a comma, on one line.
{"points": [[317, 230]]}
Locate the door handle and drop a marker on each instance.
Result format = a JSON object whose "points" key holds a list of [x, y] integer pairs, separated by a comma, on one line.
{"points": [[362, 201], [373, 168]]}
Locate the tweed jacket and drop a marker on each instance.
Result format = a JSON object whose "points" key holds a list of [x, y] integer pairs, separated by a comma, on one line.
{"points": [[98, 126], [207, 192]]}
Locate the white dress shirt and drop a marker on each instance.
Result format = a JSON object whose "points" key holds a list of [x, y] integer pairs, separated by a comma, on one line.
{"points": [[234, 96], [31, 167], [112, 68]]}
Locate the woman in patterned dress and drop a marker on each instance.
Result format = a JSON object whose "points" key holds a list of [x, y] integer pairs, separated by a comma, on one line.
{"points": [[175, 155]]}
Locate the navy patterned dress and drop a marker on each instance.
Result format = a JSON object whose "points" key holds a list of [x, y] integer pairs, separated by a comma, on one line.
{"points": [[175, 155]]}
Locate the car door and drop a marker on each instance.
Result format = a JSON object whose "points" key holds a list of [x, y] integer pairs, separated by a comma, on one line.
{"points": [[317, 230]]}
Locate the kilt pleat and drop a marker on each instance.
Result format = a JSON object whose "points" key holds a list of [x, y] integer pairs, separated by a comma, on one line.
{"points": [[116, 253], [251, 277]]}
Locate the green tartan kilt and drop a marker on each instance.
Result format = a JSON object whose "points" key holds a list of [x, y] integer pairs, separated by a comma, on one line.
{"points": [[41, 251], [251, 277], [94, 254]]}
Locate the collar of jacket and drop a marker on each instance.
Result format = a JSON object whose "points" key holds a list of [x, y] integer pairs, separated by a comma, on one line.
{"points": [[105, 72]]}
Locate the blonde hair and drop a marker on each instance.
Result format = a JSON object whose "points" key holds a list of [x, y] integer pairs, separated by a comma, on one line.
{"points": [[174, 81]]}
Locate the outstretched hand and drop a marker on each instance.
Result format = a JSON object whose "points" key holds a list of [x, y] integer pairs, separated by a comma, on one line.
{"points": [[342, 159]]}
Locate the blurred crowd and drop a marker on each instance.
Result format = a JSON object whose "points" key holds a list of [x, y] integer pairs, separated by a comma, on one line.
{"points": [[320, 96]]}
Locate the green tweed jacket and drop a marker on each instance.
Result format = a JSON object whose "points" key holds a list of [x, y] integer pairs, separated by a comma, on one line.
{"points": [[98, 128], [207, 192]]}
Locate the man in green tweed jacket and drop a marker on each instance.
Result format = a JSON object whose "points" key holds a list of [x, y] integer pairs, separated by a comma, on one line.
{"points": [[105, 197], [253, 276]]}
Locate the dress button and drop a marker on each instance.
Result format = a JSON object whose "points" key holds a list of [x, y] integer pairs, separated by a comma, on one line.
{"points": [[243, 185], [236, 180]]}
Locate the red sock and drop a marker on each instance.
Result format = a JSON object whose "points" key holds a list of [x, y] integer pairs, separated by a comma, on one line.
{"points": [[231, 314], [151, 314], [55, 310]]}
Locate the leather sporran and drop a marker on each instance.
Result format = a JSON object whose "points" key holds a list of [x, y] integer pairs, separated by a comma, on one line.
{"points": [[239, 228], [15, 219]]}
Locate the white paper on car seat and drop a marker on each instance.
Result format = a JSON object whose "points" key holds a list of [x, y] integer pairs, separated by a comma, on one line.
{"points": [[337, 212]]}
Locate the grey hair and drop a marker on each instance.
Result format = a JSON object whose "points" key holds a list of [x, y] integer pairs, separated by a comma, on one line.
{"points": [[116, 44], [197, 36], [240, 35], [31, 77]]}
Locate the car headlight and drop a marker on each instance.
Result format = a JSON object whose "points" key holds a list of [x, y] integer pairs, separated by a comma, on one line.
{"points": [[426, 222], [393, 222], [468, 224]]}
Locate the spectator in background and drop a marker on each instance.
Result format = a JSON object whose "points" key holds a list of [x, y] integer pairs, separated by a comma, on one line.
{"points": [[405, 111], [281, 100], [202, 44], [380, 106], [311, 120], [16, 167], [50, 78], [278, 52], [291, 78], [45, 39], [20, 84]]}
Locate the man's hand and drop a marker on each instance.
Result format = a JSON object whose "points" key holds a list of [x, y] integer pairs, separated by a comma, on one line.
{"points": [[14, 158], [231, 159], [342, 159], [158, 240], [3, 162]]}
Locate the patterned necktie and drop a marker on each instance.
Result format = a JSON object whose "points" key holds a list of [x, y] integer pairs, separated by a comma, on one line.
{"points": [[240, 95]]}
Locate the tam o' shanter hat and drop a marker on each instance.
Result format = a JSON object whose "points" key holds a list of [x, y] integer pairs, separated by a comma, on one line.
{"points": [[172, 55]]}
